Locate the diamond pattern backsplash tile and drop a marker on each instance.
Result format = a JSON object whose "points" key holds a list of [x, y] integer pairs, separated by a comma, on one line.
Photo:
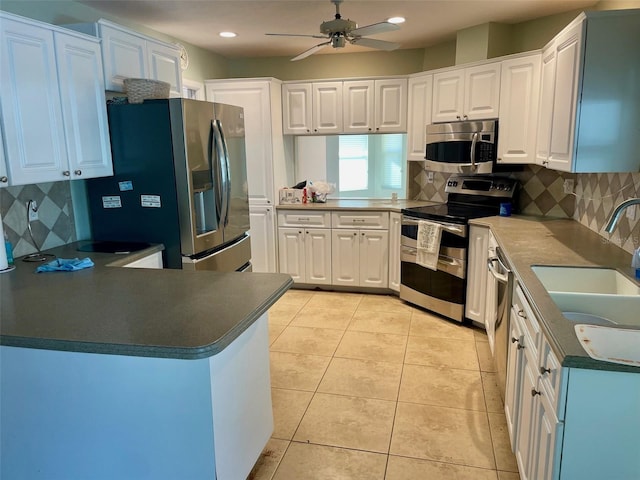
{"points": [[55, 225], [542, 194]]}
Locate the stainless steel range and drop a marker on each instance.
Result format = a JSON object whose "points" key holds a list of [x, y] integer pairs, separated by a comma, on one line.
{"points": [[443, 290]]}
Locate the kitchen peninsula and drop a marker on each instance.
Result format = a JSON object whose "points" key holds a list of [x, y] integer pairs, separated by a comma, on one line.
{"points": [[134, 373]]}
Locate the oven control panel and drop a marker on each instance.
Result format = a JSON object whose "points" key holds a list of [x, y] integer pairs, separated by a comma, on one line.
{"points": [[482, 185]]}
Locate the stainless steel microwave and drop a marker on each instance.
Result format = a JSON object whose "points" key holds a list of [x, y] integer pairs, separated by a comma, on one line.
{"points": [[462, 147]]}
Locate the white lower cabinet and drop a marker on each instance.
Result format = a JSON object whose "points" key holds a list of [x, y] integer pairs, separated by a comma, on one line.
{"points": [[475, 306], [263, 238], [359, 258], [150, 261], [305, 254]]}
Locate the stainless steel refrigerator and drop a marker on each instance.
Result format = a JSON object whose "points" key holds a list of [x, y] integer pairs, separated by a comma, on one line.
{"points": [[179, 179]]}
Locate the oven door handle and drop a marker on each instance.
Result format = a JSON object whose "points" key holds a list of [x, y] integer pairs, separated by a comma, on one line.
{"points": [[501, 277], [445, 226]]}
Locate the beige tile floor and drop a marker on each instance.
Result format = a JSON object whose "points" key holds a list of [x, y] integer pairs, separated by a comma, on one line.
{"points": [[366, 387]]}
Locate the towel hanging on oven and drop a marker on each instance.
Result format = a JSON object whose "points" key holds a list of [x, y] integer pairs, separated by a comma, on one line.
{"points": [[428, 244]]}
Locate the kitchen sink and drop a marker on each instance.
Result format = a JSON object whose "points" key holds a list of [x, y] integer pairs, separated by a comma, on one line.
{"points": [[606, 281], [599, 292]]}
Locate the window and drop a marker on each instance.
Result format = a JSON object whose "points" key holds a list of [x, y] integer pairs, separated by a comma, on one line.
{"points": [[367, 166]]}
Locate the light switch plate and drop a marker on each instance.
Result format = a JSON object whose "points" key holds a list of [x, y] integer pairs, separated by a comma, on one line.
{"points": [[33, 211], [631, 212], [568, 185]]}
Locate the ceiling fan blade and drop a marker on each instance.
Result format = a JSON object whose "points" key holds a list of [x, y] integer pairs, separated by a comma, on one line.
{"points": [[374, 29], [311, 51], [373, 43], [295, 35]]}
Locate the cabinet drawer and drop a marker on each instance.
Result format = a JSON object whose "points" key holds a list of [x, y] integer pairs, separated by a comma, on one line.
{"points": [[551, 376], [529, 320], [360, 219], [298, 218]]}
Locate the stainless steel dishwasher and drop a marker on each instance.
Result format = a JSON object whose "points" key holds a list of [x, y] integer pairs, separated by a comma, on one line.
{"points": [[503, 278]]}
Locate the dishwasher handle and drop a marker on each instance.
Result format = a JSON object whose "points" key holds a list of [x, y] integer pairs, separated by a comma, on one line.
{"points": [[501, 277]]}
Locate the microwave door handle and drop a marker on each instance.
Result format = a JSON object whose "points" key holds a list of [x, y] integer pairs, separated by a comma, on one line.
{"points": [[226, 170], [220, 177], [474, 140]]}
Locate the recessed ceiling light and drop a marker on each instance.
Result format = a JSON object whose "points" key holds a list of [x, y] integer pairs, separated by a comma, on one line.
{"points": [[228, 34], [396, 20]]}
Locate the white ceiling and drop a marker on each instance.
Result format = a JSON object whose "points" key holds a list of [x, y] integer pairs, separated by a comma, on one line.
{"points": [[428, 21]]}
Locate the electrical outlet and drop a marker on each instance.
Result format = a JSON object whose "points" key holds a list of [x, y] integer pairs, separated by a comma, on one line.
{"points": [[631, 212], [33, 211], [567, 186], [429, 177]]}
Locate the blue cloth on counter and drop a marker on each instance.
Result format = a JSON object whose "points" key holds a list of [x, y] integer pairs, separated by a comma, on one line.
{"points": [[65, 265]]}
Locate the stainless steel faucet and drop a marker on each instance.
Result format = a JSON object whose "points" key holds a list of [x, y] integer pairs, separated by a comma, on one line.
{"points": [[615, 216]]}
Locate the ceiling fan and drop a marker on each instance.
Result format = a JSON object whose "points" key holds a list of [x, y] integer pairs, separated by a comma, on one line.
{"points": [[339, 31]]}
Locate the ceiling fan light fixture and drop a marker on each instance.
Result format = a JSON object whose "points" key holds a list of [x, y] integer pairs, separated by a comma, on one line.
{"points": [[337, 41], [228, 34], [396, 20]]}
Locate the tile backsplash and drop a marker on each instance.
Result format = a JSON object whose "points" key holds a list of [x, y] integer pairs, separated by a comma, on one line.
{"points": [[55, 225], [594, 198]]}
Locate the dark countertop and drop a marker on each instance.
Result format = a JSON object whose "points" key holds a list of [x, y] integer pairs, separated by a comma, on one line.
{"points": [[530, 241], [130, 311], [363, 204]]}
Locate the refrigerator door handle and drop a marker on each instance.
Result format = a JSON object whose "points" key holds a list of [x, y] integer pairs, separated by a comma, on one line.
{"points": [[221, 176], [226, 169]]}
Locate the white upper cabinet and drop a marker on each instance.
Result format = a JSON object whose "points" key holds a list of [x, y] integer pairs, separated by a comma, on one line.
{"points": [[419, 114], [391, 105], [296, 101], [53, 109], [312, 108], [83, 107], [358, 106], [350, 106], [519, 98], [327, 108], [129, 54], [470, 93], [588, 105]]}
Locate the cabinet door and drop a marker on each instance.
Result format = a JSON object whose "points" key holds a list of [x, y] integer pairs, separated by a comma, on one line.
{"points": [[345, 257], [31, 108], [263, 238], [83, 106], [253, 97], [547, 434], [327, 108], [547, 79], [124, 56], [448, 96], [391, 105], [565, 98], [318, 256], [291, 253], [513, 389], [358, 106], [297, 108], [395, 225], [477, 274], [374, 258], [419, 115], [4, 179], [519, 94], [481, 92], [526, 419], [164, 65]]}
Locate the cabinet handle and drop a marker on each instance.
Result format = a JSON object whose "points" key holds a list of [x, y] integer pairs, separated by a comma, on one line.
{"points": [[535, 392], [521, 314], [465, 117], [66, 173], [369, 128], [517, 340], [4, 179], [354, 234], [77, 172], [458, 117], [544, 370]]}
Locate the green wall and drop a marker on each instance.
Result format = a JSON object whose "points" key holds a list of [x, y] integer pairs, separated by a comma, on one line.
{"points": [[475, 43]]}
